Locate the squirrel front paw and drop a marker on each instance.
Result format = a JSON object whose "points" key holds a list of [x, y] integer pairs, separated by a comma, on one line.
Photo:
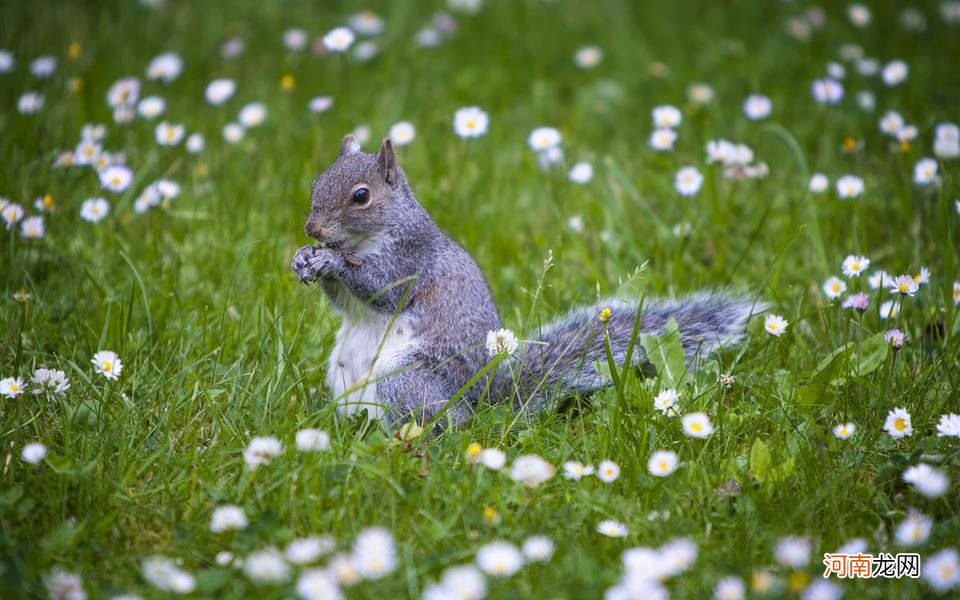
{"points": [[311, 262]]}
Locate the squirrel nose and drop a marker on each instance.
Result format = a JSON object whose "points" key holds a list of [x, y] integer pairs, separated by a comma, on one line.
{"points": [[314, 230]]}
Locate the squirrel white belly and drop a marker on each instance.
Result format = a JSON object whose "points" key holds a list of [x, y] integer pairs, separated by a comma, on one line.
{"points": [[416, 308]]}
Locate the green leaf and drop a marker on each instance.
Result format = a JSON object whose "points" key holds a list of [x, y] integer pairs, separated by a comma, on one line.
{"points": [[873, 353], [783, 470], [810, 389], [666, 353], [760, 460]]}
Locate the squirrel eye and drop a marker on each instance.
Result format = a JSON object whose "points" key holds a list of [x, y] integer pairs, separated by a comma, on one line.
{"points": [[361, 196]]}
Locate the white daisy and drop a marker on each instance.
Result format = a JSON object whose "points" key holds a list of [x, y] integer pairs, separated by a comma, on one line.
{"points": [[854, 265], [612, 528], [662, 139], [252, 114], [312, 440], [94, 209], [195, 143], [849, 186], [165, 67], [757, 107], [775, 324], [233, 132], [151, 107], [662, 463], [949, 425], [895, 72], [926, 480], [34, 453], [543, 138], [338, 40], [320, 104], [696, 425], [402, 133], [588, 57], [575, 470], [32, 228], [30, 103], [261, 450], [844, 430], [925, 172], [666, 117], [608, 471], [226, 517], [108, 364], [538, 548], [470, 122], [266, 567], [581, 172], [531, 470], [942, 570], [49, 381], [914, 529], [116, 178], [499, 559], [219, 91], [898, 423], [374, 553], [688, 181], [818, 183], [834, 287], [169, 134]]}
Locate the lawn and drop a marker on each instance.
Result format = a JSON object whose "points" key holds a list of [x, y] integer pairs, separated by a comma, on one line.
{"points": [[802, 156]]}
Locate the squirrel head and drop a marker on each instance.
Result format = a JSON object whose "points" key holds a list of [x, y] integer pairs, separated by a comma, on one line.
{"points": [[358, 197]]}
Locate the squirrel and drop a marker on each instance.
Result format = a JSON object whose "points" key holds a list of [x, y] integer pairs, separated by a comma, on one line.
{"points": [[416, 309]]}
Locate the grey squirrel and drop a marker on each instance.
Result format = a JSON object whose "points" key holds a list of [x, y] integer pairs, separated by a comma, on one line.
{"points": [[416, 308]]}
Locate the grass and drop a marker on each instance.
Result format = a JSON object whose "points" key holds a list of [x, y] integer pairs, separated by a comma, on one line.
{"points": [[220, 343]]}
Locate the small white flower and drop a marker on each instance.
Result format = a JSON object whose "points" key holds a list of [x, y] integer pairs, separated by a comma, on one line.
{"points": [[402, 133], [543, 138], [108, 364], [62, 585], [499, 559], [914, 529], [116, 178], [678, 555], [793, 551], [844, 430], [43, 67], [854, 265], [266, 567], [227, 516], [295, 39], [757, 107], [223, 558], [891, 122], [662, 463], [895, 72], [688, 181], [926, 480], [124, 93], [907, 133], [493, 458], [165, 67], [581, 172], [374, 553], [575, 223], [233, 132], [588, 57], [538, 548], [889, 309], [729, 588], [608, 471], [576, 470], [612, 528], [501, 341], [775, 324], [7, 61], [666, 116], [898, 423], [834, 287], [318, 584], [662, 139], [700, 93], [531, 470], [338, 40], [949, 426], [34, 453], [696, 425], [49, 381], [303, 551], [818, 183], [163, 574], [827, 91], [253, 114], [32, 228], [904, 285], [11, 213], [11, 387], [312, 440], [470, 122], [30, 103], [219, 91], [942, 570], [879, 279], [151, 107], [849, 186], [859, 15], [367, 23], [94, 209], [666, 401], [925, 171], [195, 143], [169, 134], [320, 104], [261, 450], [866, 101]]}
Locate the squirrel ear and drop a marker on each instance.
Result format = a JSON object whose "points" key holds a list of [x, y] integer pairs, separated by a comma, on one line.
{"points": [[387, 162], [349, 145]]}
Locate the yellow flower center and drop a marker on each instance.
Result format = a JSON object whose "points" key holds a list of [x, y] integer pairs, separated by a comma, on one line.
{"points": [[474, 450], [106, 366], [855, 266], [696, 427], [14, 387], [798, 580], [471, 124], [900, 424], [664, 466], [74, 50], [287, 82]]}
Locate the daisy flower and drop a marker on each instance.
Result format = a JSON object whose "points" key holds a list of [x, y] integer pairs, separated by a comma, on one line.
{"points": [[666, 117], [793, 551], [879, 279], [318, 584], [49, 381], [895, 338], [499, 559], [531, 470], [898, 423], [195, 143], [775, 324], [34, 453], [169, 134], [367, 22], [925, 172], [612, 528], [904, 285], [501, 341], [402, 133], [43, 67], [608, 471], [374, 553], [62, 585], [914, 529], [493, 458], [662, 139], [320, 104], [312, 440], [260, 451], [889, 309], [662, 463], [7, 61], [696, 425], [834, 287], [538, 548], [338, 40], [866, 101], [575, 469], [464, 582], [30, 103], [233, 133], [688, 181], [116, 178], [942, 570], [470, 122], [729, 588], [32, 228], [666, 401], [858, 302], [124, 93], [295, 39], [926, 480], [849, 186], [700, 93], [588, 57], [219, 91], [252, 114], [543, 138], [164, 574], [853, 266], [108, 364], [949, 425], [94, 209], [303, 551], [859, 15], [827, 91], [11, 387], [151, 107], [818, 183], [894, 73], [581, 172], [11, 213], [891, 122], [266, 567], [844, 430], [165, 67], [227, 516], [757, 107]]}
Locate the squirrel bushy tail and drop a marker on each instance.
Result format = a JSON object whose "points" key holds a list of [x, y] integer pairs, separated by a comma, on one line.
{"points": [[560, 363]]}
